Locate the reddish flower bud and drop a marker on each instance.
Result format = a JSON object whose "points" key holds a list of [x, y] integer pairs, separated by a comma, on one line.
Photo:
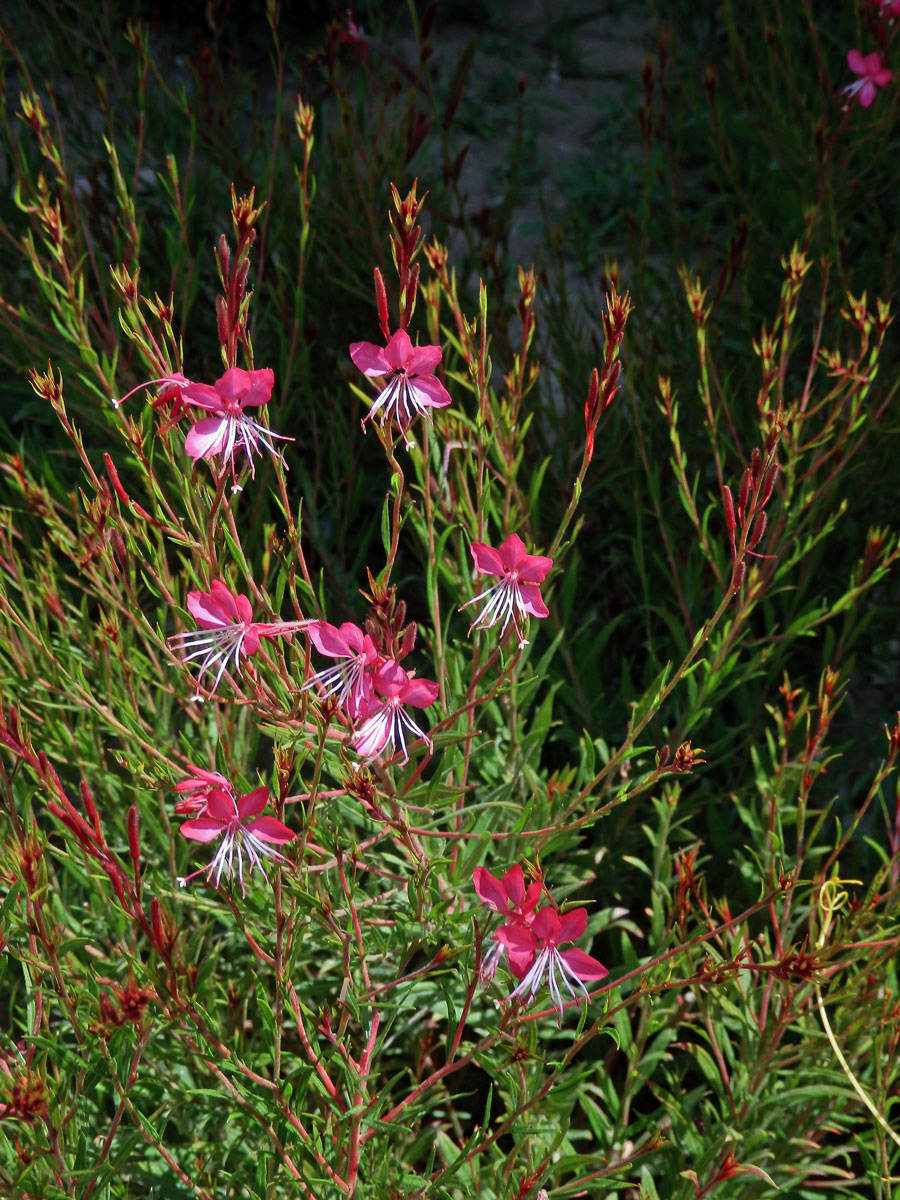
{"points": [[756, 533]]}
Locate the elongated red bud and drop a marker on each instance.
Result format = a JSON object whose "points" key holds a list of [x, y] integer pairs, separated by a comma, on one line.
{"points": [[756, 533], [755, 462], [744, 494], [741, 575], [91, 809], [769, 484], [728, 505], [116, 481], [133, 828], [381, 302]]}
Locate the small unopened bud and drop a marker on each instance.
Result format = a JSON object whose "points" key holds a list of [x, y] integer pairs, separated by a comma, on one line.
{"points": [[741, 575], [744, 494], [134, 848], [769, 484], [728, 505]]}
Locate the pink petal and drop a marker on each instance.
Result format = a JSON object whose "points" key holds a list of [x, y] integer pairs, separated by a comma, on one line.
{"points": [[867, 93], [882, 76], [233, 384], [514, 883], [532, 602], [208, 436], [534, 568], [428, 392], [260, 387], [572, 925], [512, 552], [399, 349], [855, 62], [220, 806], [390, 679], [254, 802], [373, 734], [328, 640], [203, 396], [583, 965], [490, 890], [420, 693], [369, 358], [270, 830], [521, 947], [487, 559], [250, 644], [872, 62], [546, 925], [211, 611], [202, 829], [201, 778], [424, 359], [354, 637]]}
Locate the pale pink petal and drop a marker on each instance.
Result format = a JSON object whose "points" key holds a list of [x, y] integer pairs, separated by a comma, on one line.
{"points": [[429, 392], [208, 436], [490, 890], [583, 965], [532, 602], [398, 350], [572, 925], [369, 358], [202, 829], [270, 830], [487, 560], [424, 359], [373, 734], [254, 802]]}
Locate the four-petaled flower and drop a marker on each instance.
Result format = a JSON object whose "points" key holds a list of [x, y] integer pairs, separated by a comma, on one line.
{"points": [[516, 595], [534, 953], [510, 899], [226, 632], [411, 387], [224, 818], [230, 427], [872, 76], [386, 720], [351, 678]]}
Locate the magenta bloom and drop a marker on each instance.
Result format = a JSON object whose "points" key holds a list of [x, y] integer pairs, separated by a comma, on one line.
{"points": [[534, 953], [386, 720], [224, 818], [410, 386], [887, 8], [509, 898], [226, 632], [516, 595], [196, 789], [230, 427], [872, 76], [352, 676]]}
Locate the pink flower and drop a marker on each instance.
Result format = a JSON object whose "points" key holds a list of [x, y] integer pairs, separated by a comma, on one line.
{"points": [[226, 632], [196, 789], [517, 594], [509, 898], [385, 720], [411, 387], [224, 818], [534, 953], [872, 75], [230, 427], [351, 678]]}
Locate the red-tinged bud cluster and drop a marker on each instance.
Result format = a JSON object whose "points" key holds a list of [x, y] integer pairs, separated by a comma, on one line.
{"points": [[406, 240], [126, 1007], [757, 485], [893, 737], [687, 757], [605, 383], [27, 1099], [125, 285]]}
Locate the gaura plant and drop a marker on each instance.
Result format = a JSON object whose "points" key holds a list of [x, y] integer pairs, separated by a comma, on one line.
{"points": [[394, 1003]]}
